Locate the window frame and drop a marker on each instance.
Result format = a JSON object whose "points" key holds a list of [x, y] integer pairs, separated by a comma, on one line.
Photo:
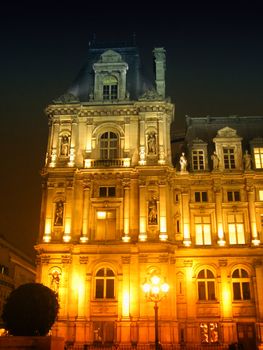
{"points": [[235, 224], [203, 232], [109, 145], [258, 157], [233, 196], [205, 282], [239, 283], [203, 196], [209, 332], [198, 159], [229, 158], [102, 285]]}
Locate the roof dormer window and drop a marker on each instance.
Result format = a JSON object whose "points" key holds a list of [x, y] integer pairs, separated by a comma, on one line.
{"points": [[110, 88]]}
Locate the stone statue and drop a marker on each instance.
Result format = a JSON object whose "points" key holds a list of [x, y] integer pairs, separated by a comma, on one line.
{"points": [[152, 212], [247, 160], [58, 221], [183, 162], [55, 279], [64, 146], [151, 143], [215, 160]]}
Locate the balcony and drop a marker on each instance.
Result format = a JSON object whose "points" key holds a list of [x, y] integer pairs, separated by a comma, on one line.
{"points": [[107, 163]]}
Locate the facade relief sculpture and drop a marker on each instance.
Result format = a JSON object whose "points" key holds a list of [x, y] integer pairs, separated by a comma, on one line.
{"points": [[151, 142], [247, 160], [183, 162], [152, 212], [59, 212], [64, 148], [215, 160]]}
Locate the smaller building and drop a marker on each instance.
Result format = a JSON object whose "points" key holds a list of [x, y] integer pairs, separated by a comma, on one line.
{"points": [[16, 268]]}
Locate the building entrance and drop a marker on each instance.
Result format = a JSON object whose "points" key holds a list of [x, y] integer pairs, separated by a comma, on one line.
{"points": [[246, 336]]}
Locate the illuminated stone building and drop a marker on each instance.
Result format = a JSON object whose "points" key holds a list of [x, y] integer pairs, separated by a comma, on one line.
{"points": [[120, 203]]}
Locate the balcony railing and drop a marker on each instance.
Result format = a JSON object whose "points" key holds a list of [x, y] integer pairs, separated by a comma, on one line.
{"points": [[107, 163]]}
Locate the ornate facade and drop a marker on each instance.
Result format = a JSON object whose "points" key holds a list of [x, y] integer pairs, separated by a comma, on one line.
{"points": [[120, 203]]}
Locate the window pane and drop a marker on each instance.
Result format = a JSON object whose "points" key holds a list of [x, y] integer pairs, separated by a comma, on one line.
{"points": [[232, 233], [246, 291], [99, 288], [201, 290], [236, 274], [211, 290], [201, 274], [207, 234], [204, 196], [109, 288], [236, 291], [100, 272], [103, 191], [111, 192], [240, 234], [209, 274], [244, 273], [109, 272], [197, 197]]}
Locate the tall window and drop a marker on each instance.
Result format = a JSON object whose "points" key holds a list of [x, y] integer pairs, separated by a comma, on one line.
{"points": [[229, 158], [108, 145], [206, 285], [105, 281], [209, 332], [258, 155], [241, 285], [202, 230], [110, 88], [198, 159], [236, 228]]}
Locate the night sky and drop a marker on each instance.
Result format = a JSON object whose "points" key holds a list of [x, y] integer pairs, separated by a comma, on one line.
{"points": [[214, 67]]}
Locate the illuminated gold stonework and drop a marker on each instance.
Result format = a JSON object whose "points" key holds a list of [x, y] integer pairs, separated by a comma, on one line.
{"points": [[118, 207]]}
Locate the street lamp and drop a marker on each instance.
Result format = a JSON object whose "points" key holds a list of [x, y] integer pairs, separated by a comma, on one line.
{"points": [[155, 291]]}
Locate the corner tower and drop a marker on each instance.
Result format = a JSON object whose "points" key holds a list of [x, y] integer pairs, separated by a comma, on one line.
{"points": [[106, 193]]}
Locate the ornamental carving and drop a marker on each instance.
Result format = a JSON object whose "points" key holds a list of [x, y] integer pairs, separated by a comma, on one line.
{"points": [[66, 98], [150, 95]]}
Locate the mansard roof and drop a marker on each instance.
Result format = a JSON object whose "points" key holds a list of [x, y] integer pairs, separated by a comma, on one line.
{"points": [[137, 83]]}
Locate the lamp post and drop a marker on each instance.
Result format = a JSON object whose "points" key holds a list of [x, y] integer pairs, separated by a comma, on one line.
{"points": [[155, 291]]}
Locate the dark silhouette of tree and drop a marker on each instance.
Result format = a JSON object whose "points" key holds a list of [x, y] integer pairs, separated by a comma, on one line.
{"points": [[30, 310]]}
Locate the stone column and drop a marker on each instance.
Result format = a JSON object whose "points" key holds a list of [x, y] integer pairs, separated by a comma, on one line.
{"points": [[258, 282], [163, 220], [142, 156], [161, 151], [219, 219], [252, 215], [48, 213], [54, 143], [85, 218], [126, 211], [68, 212], [186, 218], [143, 212], [73, 143]]}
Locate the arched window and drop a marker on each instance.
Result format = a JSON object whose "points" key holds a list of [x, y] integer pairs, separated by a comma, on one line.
{"points": [[109, 145], [110, 88], [105, 284], [206, 285], [241, 285]]}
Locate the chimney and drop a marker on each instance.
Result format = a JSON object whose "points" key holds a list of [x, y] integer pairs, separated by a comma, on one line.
{"points": [[160, 65]]}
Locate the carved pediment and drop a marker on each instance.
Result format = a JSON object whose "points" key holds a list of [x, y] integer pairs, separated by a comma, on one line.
{"points": [[110, 56], [227, 132]]}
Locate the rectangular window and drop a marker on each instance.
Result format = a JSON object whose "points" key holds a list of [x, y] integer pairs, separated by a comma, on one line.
{"points": [[229, 158], [258, 156], [233, 196], [200, 196], [107, 191], [236, 228], [99, 288], [198, 160], [202, 230], [209, 332], [109, 288]]}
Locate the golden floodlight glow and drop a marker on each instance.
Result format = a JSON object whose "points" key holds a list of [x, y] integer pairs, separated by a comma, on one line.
{"points": [[101, 215], [155, 290], [126, 304], [165, 287], [146, 287], [48, 226]]}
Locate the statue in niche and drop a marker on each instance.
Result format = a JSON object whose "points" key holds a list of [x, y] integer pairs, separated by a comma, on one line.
{"points": [[151, 141], [59, 211], [55, 279], [64, 146], [247, 160], [152, 212], [215, 160], [183, 162]]}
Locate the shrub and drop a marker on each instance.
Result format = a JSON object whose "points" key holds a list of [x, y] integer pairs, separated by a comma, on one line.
{"points": [[30, 310]]}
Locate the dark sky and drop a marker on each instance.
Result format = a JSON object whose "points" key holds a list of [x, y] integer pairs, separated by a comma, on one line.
{"points": [[214, 67]]}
